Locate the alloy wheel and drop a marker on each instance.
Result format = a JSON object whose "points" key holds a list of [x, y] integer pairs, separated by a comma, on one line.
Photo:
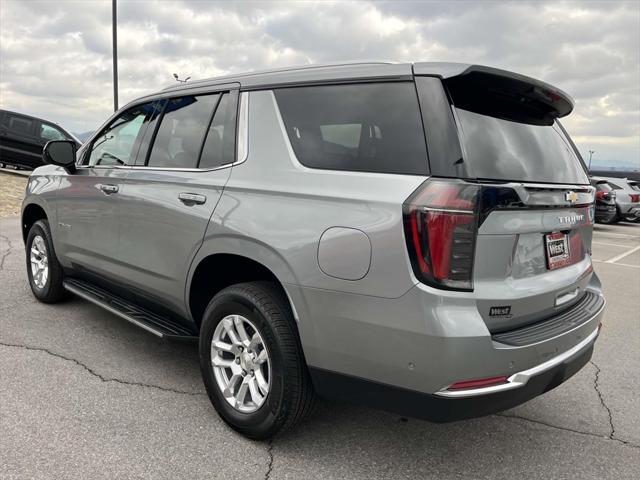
{"points": [[241, 364], [39, 262]]}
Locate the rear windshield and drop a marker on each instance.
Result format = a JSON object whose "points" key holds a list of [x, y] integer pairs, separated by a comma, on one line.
{"points": [[500, 149], [603, 187], [372, 127]]}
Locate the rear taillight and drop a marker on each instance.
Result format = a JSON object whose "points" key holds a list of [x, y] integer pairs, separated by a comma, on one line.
{"points": [[635, 197], [441, 222], [601, 195]]}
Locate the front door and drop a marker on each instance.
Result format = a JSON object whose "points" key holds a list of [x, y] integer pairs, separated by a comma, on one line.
{"points": [[171, 193], [88, 202]]}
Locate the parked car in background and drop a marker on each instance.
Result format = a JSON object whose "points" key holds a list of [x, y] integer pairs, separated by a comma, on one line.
{"points": [[605, 208], [627, 198], [351, 231], [22, 138]]}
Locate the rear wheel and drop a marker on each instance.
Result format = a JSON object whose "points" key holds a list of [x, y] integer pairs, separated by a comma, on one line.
{"points": [[43, 269], [252, 362]]}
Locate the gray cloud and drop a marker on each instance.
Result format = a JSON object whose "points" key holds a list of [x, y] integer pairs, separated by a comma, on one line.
{"points": [[55, 57]]}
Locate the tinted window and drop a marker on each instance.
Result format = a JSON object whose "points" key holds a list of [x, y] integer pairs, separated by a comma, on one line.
{"points": [[500, 149], [18, 124], [373, 127], [181, 132], [117, 144], [49, 132], [219, 146]]}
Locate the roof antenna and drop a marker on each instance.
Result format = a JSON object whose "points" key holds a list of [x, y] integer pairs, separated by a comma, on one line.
{"points": [[175, 75]]}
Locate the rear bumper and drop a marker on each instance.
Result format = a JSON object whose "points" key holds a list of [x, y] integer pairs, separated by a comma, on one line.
{"points": [[460, 405]]}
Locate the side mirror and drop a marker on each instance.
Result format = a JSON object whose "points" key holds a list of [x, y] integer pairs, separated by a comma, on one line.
{"points": [[61, 153]]}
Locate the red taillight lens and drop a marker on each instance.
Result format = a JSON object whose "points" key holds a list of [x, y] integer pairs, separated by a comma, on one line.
{"points": [[480, 383], [635, 197], [601, 195], [440, 228]]}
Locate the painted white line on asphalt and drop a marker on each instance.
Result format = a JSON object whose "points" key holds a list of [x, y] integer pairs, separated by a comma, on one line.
{"points": [[616, 264], [611, 244], [604, 233], [622, 255]]}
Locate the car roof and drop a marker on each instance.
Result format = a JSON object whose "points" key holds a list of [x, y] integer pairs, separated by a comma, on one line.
{"points": [[346, 72], [342, 72]]}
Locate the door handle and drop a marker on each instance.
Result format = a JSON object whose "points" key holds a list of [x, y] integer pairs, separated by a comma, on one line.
{"points": [[109, 189], [192, 198]]}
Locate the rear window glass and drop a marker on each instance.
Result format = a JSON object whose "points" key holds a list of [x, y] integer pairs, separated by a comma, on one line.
{"points": [[181, 132], [500, 149], [374, 127], [603, 187]]}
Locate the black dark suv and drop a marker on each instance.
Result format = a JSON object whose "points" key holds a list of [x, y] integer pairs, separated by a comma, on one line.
{"points": [[23, 137]]}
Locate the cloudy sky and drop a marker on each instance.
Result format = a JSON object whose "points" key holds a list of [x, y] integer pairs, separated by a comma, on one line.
{"points": [[55, 56]]}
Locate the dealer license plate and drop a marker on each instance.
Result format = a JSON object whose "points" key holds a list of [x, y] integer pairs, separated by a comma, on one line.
{"points": [[557, 250]]}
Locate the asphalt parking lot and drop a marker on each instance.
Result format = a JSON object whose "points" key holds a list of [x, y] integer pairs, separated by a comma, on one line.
{"points": [[83, 394]]}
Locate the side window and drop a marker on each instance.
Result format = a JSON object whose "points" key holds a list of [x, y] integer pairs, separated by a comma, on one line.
{"points": [[219, 146], [370, 127], [49, 132], [181, 132], [615, 186], [18, 124], [117, 144]]}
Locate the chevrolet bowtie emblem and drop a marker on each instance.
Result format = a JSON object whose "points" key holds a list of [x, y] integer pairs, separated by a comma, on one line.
{"points": [[571, 197]]}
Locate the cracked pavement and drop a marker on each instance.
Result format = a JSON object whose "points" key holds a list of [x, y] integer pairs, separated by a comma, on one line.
{"points": [[83, 394]]}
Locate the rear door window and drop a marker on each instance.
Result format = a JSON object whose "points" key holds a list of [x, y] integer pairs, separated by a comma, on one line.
{"points": [[372, 127], [219, 146], [181, 133]]}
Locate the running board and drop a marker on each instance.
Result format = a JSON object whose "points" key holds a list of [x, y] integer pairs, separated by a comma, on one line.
{"points": [[141, 317]]}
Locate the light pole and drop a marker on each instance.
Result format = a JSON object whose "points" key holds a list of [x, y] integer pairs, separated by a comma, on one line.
{"points": [[591, 152], [114, 28]]}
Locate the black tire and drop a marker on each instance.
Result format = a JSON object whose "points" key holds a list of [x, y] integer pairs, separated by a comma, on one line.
{"points": [[291, 397], [614, 219], [52, 291]]}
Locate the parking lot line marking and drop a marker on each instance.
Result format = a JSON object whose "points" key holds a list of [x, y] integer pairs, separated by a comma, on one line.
{"points": [[622, 255], [616, 264], [611, 244], [605, 233]]}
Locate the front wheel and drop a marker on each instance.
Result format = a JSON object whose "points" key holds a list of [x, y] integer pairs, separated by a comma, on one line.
{"points": [[252, 362], [43, 269]]}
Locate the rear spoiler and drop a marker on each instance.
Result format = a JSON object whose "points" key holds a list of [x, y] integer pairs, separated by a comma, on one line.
{"points": [[500, 93]]}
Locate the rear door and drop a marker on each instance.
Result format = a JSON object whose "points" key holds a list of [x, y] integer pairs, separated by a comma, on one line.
{"points": [[171, 192], [535, 202], [19, 144]]}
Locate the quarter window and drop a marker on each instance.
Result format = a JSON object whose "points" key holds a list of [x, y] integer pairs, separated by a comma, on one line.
{"points": [[372, 127], [181, 132]]}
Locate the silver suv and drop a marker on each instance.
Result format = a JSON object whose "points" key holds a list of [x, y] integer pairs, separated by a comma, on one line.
{"points": [[414, 237]]}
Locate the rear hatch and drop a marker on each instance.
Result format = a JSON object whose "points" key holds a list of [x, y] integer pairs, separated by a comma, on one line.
{"points": [[527, 189]]}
